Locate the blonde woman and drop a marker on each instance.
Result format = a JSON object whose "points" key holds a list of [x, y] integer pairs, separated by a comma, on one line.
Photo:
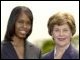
{"points": [[61, 26]]}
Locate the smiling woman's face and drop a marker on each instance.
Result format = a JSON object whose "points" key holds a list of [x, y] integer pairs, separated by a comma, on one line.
{"points": [[62, 34], [22, 26]]}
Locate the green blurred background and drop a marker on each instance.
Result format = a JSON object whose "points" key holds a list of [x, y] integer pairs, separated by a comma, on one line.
{"points": [[47, 45]]}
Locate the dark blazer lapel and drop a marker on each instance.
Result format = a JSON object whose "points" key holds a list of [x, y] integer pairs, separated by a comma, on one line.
{"points": [[49, 55], [68, 53], [52, 54], [8, 51], [30, 51]]}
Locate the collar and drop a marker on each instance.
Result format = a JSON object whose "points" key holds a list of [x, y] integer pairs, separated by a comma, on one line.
{"points": [[65, 48]]}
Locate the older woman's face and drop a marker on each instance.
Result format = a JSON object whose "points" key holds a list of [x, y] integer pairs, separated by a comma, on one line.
{"points": [[61, 34], [22, 25]]}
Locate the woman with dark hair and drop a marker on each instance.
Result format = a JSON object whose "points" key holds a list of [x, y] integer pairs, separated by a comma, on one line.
{"points": [[19, 28]]}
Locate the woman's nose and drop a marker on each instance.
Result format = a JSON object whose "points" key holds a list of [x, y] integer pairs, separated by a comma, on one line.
{"points": [[25, 26], [61, 33]]}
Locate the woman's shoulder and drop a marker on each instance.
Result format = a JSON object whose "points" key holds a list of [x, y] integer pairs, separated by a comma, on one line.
{"points": [[72, 52], [48, 55], [29, 44], [32, 50], [3, 43], [4, 49], [75, 52]]}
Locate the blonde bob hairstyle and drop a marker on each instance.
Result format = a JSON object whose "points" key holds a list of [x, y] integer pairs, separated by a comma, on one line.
{"points": [[61, 18]]}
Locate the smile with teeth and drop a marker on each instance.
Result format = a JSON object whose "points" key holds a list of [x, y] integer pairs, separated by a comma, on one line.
{"points": [[23, 32], [61, 39]]}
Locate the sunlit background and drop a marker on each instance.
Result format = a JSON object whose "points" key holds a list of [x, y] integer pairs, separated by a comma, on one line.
{"points": [[42, 10]]}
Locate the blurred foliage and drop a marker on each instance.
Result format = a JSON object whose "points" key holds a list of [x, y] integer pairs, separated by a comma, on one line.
{"points": [[75, 40], [49, 44]]}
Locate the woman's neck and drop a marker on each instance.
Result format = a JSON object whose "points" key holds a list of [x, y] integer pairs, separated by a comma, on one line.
{"points": [[62, 48], [18, 45], [17, 41], [59, 51]]}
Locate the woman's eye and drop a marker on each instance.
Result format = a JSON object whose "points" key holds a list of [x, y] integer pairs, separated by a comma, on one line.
{"points": [[56, 30], [66, 30], [20, 21]]}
